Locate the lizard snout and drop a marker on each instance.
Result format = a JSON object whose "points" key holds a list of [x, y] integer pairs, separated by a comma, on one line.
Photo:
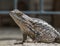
{"points": [[10, 13]]}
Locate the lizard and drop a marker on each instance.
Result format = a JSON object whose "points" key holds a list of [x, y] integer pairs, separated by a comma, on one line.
{"points": [[37, 29]]}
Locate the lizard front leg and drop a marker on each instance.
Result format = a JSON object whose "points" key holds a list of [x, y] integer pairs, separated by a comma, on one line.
{"points": [[24, 38]]}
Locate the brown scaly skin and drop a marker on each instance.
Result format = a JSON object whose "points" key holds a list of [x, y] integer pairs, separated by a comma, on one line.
{"points": [[37, 29]]}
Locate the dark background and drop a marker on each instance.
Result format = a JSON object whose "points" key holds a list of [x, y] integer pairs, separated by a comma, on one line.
{"points": [[31, 5]]}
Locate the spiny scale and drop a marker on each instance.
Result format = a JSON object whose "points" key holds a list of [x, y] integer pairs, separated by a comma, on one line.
{"points": [[35, 28]]}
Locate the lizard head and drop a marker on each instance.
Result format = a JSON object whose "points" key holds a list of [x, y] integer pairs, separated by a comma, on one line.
{"points": [[16, 14]]}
